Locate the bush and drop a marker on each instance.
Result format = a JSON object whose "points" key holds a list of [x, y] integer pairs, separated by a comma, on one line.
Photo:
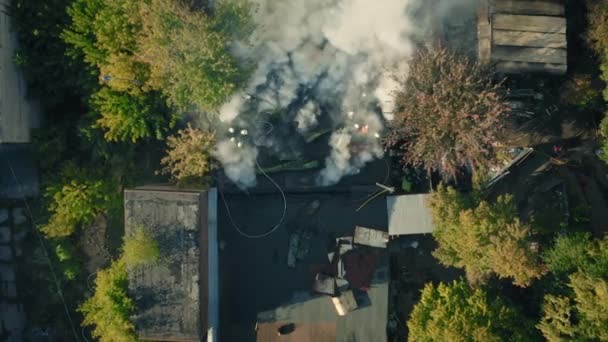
{"points": [[75, 200], [579, 91], [483, 238], [449, 113], [455, 312], [65, 254], [140, 248], [188, 159]]}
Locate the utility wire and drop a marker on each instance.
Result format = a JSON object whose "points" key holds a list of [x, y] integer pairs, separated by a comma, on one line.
{"points": [[275, 227], [46, 254], [271, 230]]}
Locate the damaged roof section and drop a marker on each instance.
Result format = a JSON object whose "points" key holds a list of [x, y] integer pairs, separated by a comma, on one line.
{"points": [[167, 293]]}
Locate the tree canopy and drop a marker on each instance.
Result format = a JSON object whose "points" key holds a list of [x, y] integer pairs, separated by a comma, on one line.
{"points": [[581, 313], [575, 251], [455, 312], [164, 45], [483, 238], [129, 117], [76, 199], [188, 51], [110, 308], [188, 158], [449, 113]]}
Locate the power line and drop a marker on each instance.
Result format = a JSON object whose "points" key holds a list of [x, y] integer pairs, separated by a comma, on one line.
{"points": [[46, 254]]}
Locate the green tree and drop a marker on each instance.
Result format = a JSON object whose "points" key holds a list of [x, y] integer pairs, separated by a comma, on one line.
{"points": [[75, 200], [101, 28], [455, 312], [188, 51], [73, 204], [597, 36], [580, 316], [484, 238], [449, 113], [571, 252], [110, 308], [581, 313], [188, 158], [129, 117]]}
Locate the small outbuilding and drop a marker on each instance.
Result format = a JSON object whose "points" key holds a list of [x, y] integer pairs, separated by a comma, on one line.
{"points": [[519, 36], [177, 298], [408, 215]]}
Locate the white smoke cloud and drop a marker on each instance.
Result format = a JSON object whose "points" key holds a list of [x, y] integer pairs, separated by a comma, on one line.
{"points": [[307, 117], [340, 50], [352, 147], [239, 162]]}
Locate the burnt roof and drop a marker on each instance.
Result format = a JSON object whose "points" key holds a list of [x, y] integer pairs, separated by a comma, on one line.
{"points": [[170, 295]]}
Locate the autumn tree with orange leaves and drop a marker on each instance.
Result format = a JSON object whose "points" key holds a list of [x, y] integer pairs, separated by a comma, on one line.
{"points": [[448, 113]]}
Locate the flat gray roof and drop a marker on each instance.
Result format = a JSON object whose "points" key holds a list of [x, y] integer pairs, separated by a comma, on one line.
{"points": [[409, 214], [171, 296]]}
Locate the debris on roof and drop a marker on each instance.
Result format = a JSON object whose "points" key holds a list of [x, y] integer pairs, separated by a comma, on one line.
{"points": [[370, 237], [345, 303]]}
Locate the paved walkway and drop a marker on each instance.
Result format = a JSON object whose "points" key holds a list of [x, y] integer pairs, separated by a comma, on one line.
{"points": [[12, 231], [17, 114]]}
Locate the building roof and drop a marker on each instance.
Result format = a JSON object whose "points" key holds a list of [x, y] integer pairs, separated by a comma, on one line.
{"points": [[304, 332], [408, 214], [171, 296], [261, 288], [366, 323], [523, 35]]}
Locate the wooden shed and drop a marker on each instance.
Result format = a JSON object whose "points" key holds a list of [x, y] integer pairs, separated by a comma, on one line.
{"points": [[523, 35]]}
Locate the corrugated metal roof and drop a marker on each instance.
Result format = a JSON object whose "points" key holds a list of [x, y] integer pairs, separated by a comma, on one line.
{"points": [[408, 214]]}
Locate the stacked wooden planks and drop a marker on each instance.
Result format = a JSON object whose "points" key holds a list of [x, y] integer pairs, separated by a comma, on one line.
{"points": [[523, 35]]}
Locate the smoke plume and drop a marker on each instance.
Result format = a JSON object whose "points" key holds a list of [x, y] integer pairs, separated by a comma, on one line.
{"points": [[319, 64]]}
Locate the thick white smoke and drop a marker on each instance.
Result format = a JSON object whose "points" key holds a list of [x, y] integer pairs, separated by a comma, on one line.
{"points": [[342, 51]]}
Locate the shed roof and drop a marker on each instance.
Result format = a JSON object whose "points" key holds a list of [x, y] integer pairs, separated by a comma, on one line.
{"points": [[523, 35], [169, 307], [409, 214]]}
